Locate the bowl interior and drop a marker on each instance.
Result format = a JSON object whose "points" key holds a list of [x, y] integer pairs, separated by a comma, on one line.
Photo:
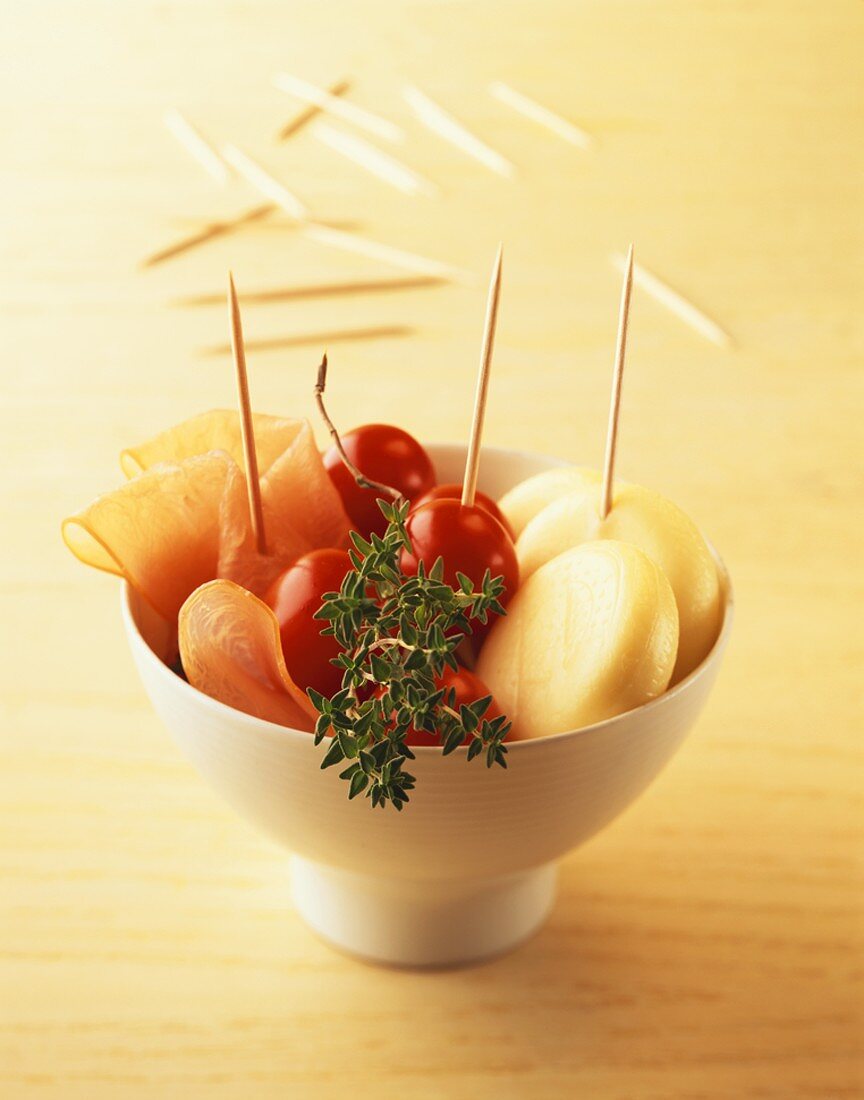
{"points": [[500, 470]]}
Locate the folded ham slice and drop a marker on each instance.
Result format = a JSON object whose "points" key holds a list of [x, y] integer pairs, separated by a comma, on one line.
{"points": [[183, 518], [216, 430], [302, 512]]}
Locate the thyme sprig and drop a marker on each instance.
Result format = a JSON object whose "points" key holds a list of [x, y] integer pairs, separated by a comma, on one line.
{"points": [[398, 634]]}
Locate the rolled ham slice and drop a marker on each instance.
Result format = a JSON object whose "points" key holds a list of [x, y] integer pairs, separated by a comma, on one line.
{"points": [[231, 650]]}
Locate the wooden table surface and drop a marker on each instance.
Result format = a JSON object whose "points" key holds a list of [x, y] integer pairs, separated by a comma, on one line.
{"points": [[706, 945]]}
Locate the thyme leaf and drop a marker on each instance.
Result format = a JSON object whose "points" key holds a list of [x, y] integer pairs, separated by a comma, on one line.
{"points": [[398, 634]]}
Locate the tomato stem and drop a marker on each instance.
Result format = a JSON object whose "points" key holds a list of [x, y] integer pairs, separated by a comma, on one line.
{"points": [[358, 475]]}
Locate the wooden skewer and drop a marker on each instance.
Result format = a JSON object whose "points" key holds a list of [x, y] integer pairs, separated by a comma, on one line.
{"points": [[316, 339], [208, 233], [375, 250], [247, 430], [263, 182], [218, 229], [274, 224], [312, 111], [536, 112], [472, 462], [677, 304], [350, 112], [441, 122], [617, 376], [271, 188], [315, 290], [194, 142], [378, 164]]}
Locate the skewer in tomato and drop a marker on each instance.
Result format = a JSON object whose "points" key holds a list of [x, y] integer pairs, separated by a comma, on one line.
{"points": [[467, 537], [453, 491]]}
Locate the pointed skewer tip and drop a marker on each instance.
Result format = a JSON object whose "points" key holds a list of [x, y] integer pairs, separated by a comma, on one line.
{"points": [[675, 302], [615, 402], [472, 461], [247, 428]]}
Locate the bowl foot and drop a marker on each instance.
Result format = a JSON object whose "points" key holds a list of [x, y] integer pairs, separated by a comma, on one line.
{"points": [[421, 923]]}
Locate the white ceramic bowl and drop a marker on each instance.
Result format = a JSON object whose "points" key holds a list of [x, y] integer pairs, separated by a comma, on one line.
{"points": [[467, 869]]}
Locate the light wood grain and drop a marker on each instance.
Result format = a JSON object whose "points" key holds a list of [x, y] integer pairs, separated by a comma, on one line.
{"points": [[708, 944]]}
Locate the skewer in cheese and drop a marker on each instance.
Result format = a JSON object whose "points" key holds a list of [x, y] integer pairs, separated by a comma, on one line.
{"points": [[656, 526], [609, 510]]}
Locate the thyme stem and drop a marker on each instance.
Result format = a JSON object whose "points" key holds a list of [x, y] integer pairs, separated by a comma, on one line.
{"points": [[398, 635]]}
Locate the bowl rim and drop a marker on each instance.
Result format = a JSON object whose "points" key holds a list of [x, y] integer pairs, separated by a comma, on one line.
{"points": [[274, 729]]}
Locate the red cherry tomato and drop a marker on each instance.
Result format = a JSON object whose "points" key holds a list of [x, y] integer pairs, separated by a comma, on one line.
{"points": [[469, 539], [453, 491], [295, 596], [382, 453], [468, 688]]}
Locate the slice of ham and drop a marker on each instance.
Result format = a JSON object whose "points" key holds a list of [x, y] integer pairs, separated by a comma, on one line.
{"points": [[184, 520], [216, 430], [162, 531], [231, 650], [302, 512]]}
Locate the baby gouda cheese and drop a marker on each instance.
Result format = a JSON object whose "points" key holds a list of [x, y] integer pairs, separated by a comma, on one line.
{"points": [[589, 635], [526, 499], [659, 528]]}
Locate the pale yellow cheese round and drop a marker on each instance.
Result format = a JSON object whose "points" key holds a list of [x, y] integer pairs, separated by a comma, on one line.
{"points": [[529, 497], [589, 635], [659, 528]]}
